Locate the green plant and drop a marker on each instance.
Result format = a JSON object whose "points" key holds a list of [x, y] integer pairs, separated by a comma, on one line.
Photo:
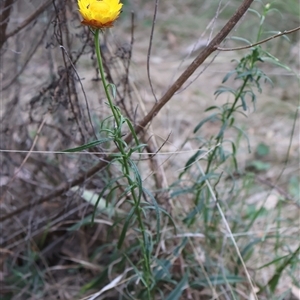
{"points": [[208, 187]]}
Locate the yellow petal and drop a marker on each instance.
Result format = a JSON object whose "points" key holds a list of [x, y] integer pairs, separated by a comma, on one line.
{"points": [[99, 13]]}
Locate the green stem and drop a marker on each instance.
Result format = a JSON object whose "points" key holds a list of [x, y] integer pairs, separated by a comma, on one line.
{"points": [[125, 159], [105, 85], [237, 97]]}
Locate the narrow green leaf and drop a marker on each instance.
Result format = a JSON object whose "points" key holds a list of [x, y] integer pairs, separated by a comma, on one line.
{"points": [[237, 38], [224, 89], [222, 130], [138, 179], [89, 145], [212, 107], [206, 177], [228, 75], [131, 128], [162, 270], [244, 104], [255, 12], [276, 62], [274, 261], [191, 161], [125, 227], [248, 249], [243, 133], [212, 117], [234, 156], [182, 191], [113, 89], [156, 207], [137, 148], [278, 272], [181, 286], [216, 280], [196, 210]]}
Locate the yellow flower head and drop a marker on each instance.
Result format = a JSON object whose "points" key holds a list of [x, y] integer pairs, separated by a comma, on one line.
{"points": [[99, 13]]}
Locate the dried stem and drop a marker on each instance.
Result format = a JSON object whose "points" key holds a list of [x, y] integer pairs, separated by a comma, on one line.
{"points": [[4, 18], [28, 20], [262, 41]]}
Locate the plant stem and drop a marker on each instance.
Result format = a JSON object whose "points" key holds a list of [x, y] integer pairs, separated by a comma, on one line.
{"points": [[227, 118], [105, 85], [125, 161]]}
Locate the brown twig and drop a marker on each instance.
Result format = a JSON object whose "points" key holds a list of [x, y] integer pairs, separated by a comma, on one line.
{"points": [[150, 48], [27, 155], [274, 186], [212, 46], [4, 18], [28, 20], [262, 41], [28, 58], [62, 36]]}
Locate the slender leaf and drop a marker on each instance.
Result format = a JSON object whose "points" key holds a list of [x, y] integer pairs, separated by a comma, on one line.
{"points": [[177, 292], [212, 117], [125, 227], [89, 145]]}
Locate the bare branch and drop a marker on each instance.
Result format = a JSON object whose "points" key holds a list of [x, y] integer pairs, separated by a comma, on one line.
{"points": [[4, 18], [150, 48], [29, 19], [262, 41]]}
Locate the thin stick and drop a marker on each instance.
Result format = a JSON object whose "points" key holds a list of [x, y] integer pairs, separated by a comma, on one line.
{"points": [[260, 42], [29, 19], [150, 48], [29, 152]]}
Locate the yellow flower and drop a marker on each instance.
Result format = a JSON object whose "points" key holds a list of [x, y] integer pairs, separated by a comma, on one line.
{"points": [[99, 13]]}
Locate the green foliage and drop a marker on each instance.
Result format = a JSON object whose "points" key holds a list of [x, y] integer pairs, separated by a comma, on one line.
{"points": [[177, 292], [27, 275], [248, 78]]}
